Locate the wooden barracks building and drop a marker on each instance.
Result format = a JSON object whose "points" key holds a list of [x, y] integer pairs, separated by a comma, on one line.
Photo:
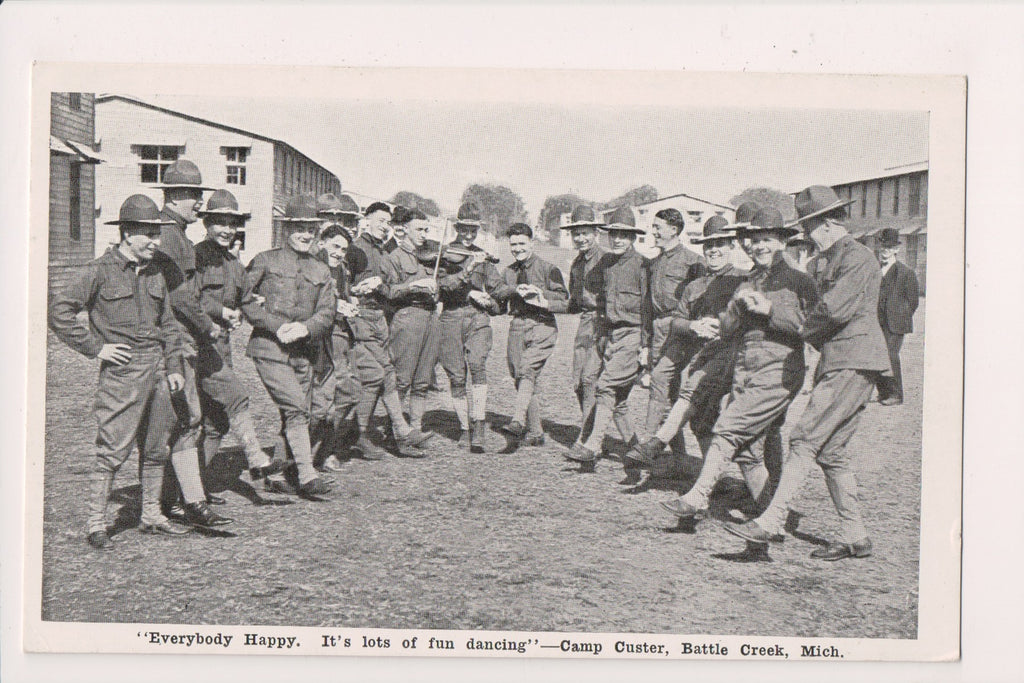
{"points": [[73, 161], [139, 140]]}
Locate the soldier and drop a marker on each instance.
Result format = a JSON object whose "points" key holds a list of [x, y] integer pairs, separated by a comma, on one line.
{"points": [[671, 270], [224, 289], [769, 368], [844, 327], [624, 330], [412, 293], [132, 331], [695, 327], [366, 264], [584, 291], [469, 288], [335, 386], [296, 311], [176, 258], [536, 291]]}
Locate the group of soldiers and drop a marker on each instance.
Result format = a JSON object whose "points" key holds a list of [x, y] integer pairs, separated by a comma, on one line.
{"points": [[356, 308]]}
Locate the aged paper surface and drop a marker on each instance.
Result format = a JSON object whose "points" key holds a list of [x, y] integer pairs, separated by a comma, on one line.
{"points": [[933, 320]]}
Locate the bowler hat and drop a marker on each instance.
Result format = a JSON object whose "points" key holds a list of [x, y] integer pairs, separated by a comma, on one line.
{"points": [[817, 200], [330, 205], [745, 213], [583, 216], [623, 219], [469, 214], [889, 237], [301, 209], [715, 228], [183, 173], [139, 209], [223, 203], [768, 219]]}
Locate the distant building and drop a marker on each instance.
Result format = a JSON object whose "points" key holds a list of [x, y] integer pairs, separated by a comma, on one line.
{"points": [[73, 162], [139, 140], [895, 198]]}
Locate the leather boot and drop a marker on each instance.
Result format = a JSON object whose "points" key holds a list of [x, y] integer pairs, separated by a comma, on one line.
{"points": [[478, 437]]}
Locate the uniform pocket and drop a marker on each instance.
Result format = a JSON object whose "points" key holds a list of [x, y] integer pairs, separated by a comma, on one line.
{"points": [[118, 304]]}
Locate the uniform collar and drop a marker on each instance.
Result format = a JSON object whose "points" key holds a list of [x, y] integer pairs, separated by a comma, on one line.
{"points": [[223, 251], [527, 263], [167, 212], [673, 249], [840, 244]]}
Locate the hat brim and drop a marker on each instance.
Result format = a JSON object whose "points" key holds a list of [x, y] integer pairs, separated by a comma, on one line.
{"points": [[786, 230], [225, 212], [152, 222], [622, 227], [832, 207], [334, 213], [469, 223], [728, 234], [314, 219], [584, 224], [171, 186]]}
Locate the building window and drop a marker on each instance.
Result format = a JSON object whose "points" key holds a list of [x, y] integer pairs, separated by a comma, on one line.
{"points": [[75, 100], [155, 160], [914, 198], [236, 158], [895, 196], [863, 200], [75, 199], [878, 200]]}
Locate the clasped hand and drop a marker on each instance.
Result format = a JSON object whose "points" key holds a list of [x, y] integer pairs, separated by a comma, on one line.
{"points": [[291, 332]]}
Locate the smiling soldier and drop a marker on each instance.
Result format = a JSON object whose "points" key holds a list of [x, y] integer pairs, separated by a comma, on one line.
{"points": [[133, 332], [623, 324], [224, 289], [769, 368], [296, 309]]}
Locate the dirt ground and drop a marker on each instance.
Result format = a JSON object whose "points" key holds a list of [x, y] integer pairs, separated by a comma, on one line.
{"points": [[504, 540]]}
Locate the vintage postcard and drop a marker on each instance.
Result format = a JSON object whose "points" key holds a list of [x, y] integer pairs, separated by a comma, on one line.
{"points": [[495, 363]]}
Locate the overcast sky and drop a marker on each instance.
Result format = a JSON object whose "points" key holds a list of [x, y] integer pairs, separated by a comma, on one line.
{"points": [[437, 148]]}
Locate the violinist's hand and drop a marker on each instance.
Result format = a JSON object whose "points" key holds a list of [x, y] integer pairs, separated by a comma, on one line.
{"points": [[705, 328], [427, 283]]}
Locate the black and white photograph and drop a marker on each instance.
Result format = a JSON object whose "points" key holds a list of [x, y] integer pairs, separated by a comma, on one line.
{"points": [[441, 363]]}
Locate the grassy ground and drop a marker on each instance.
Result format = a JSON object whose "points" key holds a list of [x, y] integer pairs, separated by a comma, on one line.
{"points": [[517, 540]]}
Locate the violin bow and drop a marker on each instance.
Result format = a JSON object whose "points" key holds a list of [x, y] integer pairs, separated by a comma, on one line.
{"points": [[440, 247]]}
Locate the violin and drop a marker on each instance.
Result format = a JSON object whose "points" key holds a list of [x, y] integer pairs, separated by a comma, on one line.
{"points": [[452, 253]]}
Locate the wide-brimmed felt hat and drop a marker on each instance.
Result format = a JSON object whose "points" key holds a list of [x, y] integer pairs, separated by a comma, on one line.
{"points": [[623, 219], [469, 214], [223, 203], [768, 219], [301, 209], [715, 228], [889, 237], [745, 213], [801, 240], [583, 216], [139, 209], [183, 173], [330, 205], [816, 200]]}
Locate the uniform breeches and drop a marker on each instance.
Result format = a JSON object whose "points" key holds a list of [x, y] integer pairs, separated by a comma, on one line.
{"points": [[414, 345]]}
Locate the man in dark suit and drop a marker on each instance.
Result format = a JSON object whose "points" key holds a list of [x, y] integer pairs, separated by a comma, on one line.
{"points": [[897, 301]]}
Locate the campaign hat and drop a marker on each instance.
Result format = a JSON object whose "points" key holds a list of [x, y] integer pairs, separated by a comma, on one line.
{"points": [[330, 205], [469, 214], [223, 203], [623, 219], [768, 219], [301, 208], [715, 228], [888, 237], [183, 173], [583, 216], [139, 209], [745, 213], [817, 200]]}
